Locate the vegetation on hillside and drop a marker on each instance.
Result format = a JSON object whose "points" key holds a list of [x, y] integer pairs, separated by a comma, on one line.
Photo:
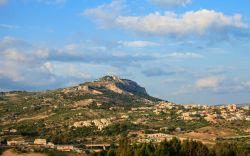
{"points": [[173, 147]]}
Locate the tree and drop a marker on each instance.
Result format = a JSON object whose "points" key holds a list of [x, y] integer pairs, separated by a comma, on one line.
{"points": [[123, 149], [111, 152], [226, 149], [193, 148]]}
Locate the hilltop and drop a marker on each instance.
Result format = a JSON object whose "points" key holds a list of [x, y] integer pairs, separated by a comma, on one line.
{"points": [[109, 84]]}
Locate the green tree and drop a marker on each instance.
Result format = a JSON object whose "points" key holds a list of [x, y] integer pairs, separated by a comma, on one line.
{"points": [[226, 149], [193, 148], [123, 149], [111, 152]]}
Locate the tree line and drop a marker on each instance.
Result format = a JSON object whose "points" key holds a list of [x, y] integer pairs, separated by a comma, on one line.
{"points": [[173, 147]]}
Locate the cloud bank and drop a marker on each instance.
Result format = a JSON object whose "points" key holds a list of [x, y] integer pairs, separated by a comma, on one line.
{"points": [[171, 3], [198, 23], [28, 66]]}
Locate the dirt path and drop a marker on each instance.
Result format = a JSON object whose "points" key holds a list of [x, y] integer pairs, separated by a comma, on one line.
{"points": [[38, 117]]}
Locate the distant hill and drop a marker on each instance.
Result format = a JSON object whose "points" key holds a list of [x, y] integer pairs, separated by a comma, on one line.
{"points": [[244, 104], [60, 106], [110, 90], [238, 104]]}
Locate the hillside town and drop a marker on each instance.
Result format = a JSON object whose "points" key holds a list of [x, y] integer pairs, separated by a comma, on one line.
{"points": [[211, 114]]}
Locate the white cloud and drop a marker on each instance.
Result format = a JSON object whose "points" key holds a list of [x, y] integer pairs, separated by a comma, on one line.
{"points": [[183, 55], [3, 2], [215, 84], [42, 53], [170, 3], [19, 66], [194, 22], [209, 82], [8, 26], [7, 40], [246, 84], [105, 14], [48, 66], [10, 70], [73, 70], [22, 67], [221, 84], [35, 67], [138, 44], [14, 55], [10, 42]]}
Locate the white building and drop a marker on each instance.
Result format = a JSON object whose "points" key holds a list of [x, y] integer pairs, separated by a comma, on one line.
{"points": [[40, 142]]}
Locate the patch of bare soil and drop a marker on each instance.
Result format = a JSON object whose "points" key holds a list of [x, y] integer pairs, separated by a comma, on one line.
{"points": [[85, 102], [37, 117], [221, 132], [208, 134]]}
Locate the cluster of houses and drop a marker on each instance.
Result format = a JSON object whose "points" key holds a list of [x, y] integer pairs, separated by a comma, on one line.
{"points": [[43, 143], [213, 114], [39, 143], [156, 137], [140, 136], [99, 123], [216, 114]]}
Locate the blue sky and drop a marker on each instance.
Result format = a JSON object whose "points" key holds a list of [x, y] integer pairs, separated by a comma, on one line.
{"points": [[185, 51]]}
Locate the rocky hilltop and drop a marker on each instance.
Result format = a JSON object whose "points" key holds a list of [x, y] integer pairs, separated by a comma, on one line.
{"points": [[107, 84], [124, 84]]}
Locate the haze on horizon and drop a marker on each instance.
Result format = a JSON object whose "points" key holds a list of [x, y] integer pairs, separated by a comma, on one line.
{"points": [[185, 51]]}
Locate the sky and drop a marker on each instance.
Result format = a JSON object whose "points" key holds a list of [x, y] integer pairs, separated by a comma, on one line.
{"points": [[184, 51]]}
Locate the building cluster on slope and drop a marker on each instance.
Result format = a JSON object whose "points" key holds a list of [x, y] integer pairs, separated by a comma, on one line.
{"points": [[99, 123], [216, 114], [160, 111], [213, 114], [43, 143]]}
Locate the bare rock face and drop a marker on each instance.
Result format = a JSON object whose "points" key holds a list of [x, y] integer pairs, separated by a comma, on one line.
{"points": [[83, 88], [122, 85], [114, 88], [86, 89]]}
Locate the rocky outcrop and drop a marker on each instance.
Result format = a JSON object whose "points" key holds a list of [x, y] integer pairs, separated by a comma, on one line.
{"points": [[108, 83], [121, 85]]}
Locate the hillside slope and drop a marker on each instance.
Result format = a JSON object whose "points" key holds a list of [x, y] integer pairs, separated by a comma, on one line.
{"points": [[44, 113]]}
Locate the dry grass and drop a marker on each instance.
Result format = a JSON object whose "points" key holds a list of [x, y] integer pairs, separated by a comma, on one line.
{"points": [[208, 134], [86, 102]]}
